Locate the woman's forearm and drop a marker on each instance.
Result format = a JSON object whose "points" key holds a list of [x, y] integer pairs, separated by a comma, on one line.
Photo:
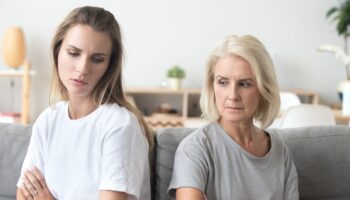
{"points": [[19, 195], [112, 195]]}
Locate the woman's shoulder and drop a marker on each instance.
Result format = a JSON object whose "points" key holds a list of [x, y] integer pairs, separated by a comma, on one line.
{"points": [[118, 122], [47, 119], [202, 137], [53, 110], [117, 114], [275, 137], [277, 141]]}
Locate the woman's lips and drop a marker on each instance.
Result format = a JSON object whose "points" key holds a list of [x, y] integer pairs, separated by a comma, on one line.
{"points": [[79, 82], [233, 108]]}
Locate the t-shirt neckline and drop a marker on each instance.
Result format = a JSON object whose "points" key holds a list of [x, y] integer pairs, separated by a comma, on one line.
{"points": [[82, 119], [233, 142]]}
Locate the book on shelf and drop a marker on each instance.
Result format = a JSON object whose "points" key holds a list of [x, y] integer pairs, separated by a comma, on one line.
{"points": [[10, 117]]}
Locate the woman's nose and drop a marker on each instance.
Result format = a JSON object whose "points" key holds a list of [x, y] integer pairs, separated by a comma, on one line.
{"points": [[82, 66], [233, 94]]}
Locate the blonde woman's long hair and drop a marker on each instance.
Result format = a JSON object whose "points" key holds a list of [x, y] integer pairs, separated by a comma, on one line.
{"points": [[255, 53], [110, 87]]}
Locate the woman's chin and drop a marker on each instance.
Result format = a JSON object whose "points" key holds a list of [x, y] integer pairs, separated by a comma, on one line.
{"points": [[236, 119]]}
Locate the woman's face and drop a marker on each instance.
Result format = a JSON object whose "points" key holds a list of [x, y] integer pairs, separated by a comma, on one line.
{"points": [[235, 88], [83, 59]]}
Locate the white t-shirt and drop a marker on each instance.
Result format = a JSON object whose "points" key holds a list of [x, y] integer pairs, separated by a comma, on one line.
{"points": [[105, 150]]}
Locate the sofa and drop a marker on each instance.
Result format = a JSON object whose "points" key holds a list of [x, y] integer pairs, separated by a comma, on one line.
{"points": [[321, 155], [14, 141]]}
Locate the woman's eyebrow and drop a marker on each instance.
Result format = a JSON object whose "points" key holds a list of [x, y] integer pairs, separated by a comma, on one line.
{"points": [[246, 79], [219, 76], [74, 47], [79, 50]]}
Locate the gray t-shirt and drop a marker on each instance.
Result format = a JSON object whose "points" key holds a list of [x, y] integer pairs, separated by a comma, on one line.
{"points": [[212, 162]]}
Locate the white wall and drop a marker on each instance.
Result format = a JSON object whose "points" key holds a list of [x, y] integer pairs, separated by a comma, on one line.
{"points": [[160, 33]]}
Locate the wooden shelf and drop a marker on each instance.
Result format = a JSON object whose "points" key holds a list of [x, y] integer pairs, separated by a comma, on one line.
{"points": [[162, 120], [161, 91], [340, 118], [25, 73], [12, 73], [182, 102]]}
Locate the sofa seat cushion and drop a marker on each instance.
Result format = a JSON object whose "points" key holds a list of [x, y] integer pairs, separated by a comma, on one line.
{"points": [[14, 141]]}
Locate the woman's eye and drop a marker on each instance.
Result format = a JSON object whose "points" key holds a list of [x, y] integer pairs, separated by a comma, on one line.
{"points": [[222, 83], [74, 54], [244, 84], [97, 60]]}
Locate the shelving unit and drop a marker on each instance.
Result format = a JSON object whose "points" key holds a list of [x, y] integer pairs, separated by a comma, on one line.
{"points": [[25, 73], [183, 104]]}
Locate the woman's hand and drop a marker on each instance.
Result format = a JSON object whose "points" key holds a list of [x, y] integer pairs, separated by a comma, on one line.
{"points": [[34, 186]]}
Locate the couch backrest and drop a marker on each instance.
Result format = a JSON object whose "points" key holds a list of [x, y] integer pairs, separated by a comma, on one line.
{"points": [[321, 155], [322, 158], [166, 142], [14, 141]]}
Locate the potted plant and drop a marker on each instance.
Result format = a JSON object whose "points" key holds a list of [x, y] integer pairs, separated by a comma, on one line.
{"points": [[175, 75], [341, 16]]}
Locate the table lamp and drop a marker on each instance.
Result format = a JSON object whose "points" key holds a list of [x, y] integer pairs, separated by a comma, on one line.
{"points": [[13, 48]]}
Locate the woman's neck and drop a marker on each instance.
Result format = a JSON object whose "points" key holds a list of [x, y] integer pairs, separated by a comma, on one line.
{"points": [[243, 132], [249, 137], [78, 108]]}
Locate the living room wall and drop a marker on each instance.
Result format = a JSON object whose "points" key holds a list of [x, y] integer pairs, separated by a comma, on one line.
{"points": [[158, 34]]}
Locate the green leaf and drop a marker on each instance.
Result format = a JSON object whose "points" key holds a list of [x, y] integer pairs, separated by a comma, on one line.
{"points": [[176, 72], [331, 11], [341, 16]]}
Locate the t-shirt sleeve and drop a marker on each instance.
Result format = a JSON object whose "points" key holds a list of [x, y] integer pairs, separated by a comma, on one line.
{"points": [[291, 191], [124, 160], [190, 167], [35, 153]]}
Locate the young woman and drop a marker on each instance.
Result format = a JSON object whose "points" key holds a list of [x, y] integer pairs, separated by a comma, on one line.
{"points": [[92, 144], [231, 158]]}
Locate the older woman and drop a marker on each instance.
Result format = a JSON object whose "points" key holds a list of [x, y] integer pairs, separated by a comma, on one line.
{"points": [[232, 158]]}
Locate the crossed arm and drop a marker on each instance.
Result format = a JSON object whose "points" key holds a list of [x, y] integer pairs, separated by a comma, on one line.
{"points": [[34, 188], [104, 195]]}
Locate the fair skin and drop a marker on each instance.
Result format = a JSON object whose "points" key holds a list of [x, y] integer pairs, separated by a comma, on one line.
{"points": [[82, 61], [237, 98]]}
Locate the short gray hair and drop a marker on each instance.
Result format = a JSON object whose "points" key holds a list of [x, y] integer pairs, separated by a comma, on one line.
{"points": [[255, 53]]}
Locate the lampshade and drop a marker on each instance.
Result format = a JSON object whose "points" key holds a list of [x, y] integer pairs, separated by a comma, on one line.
{"points": [[13, 47]]}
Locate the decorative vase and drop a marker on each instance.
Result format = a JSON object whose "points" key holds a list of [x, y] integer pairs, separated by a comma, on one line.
{"points": [[175, 83], [14, 49], [340, 89], [346, 98]]}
